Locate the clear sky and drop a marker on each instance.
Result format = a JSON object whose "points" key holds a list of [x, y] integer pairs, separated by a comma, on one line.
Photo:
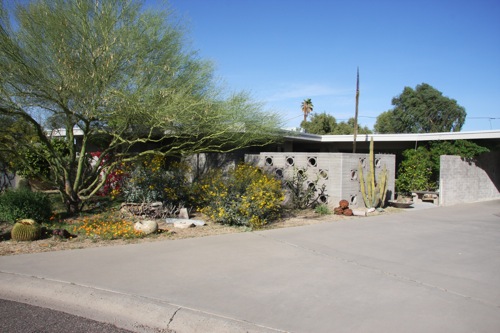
{"points": [[284, 51]]}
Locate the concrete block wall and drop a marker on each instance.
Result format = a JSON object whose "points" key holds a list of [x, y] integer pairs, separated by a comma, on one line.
{"points": [[463, 181], [337, 171]]}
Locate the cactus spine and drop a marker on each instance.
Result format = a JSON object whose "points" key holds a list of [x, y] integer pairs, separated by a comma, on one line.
{"points": [[373, 192], [26, 230]]}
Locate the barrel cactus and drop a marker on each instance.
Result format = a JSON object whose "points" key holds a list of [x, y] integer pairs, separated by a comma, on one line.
{"points": [[26, 230]]}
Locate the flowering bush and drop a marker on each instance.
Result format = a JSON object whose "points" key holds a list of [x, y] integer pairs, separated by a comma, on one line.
{"points": [[114, 179], [153, 180], [105, 226], [245, 196]]}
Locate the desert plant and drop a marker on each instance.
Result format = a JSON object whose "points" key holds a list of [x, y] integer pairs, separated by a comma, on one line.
{"points": [[153, 179], [245, 196], [373, 192], [21, 204], [322, 210], [304, 193], [26, 230]]}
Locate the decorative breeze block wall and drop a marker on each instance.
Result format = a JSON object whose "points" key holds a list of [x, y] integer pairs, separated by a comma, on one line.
{"points": [[338, 171]]}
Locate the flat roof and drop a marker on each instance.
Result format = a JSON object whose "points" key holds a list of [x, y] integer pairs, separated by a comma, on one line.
{"points": [[443, 136]]}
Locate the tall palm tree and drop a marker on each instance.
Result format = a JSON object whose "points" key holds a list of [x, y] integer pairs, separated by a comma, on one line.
{"points": [[307, 107]]}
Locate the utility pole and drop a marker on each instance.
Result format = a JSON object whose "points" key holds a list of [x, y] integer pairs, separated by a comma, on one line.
{"points": [[356, 113]]}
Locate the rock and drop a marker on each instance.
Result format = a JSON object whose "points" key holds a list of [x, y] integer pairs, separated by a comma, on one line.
{"points": [[183, 214], [358, 212], [146, 227], [197, 223], [347, 212], [344, 204], [338, 211], [184, 224]]}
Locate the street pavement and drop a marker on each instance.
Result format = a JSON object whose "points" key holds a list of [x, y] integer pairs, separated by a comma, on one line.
{"points": [[24, 318], [423, 270]]}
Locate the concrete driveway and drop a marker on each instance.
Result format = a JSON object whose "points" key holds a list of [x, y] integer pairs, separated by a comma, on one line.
{"points": [[433, 270]]}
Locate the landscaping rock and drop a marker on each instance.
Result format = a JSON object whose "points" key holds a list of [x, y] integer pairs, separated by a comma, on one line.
{"points": [[184, 224], [146, 227], [359, 212], [183, 214]]}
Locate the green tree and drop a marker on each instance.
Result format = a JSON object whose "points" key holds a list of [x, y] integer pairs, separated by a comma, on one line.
{"points": [[123, 78], [307, 107], [320, 123], [423, 110], [323, 123], [347, 128], [384, 123]]}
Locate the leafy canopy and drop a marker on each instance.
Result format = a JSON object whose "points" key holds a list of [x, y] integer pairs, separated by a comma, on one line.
{"points": [[421, 110], [121, 76], [323, 123]]}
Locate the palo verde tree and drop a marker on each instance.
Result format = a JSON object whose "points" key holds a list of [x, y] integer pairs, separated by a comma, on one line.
{"points": [[119, 77], [421, 110]]}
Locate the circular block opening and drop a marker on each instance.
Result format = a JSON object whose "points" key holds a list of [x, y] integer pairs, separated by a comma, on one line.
{"points": [[312, 161], [323, 199], [279, 173]]}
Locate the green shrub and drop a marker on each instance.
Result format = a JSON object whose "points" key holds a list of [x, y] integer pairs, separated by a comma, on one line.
{"points": [[419, 170], [322, 210], [153, 180], [24, 204], [245, 196], [415, 171]]}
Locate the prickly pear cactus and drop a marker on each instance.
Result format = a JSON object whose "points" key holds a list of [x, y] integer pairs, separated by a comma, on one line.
{"points": [[26, 230]]}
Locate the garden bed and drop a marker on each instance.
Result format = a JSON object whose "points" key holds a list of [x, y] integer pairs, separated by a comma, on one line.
{"points": [[306, 217]]}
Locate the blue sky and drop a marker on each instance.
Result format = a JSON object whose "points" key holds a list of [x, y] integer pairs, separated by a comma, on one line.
{"points": [[284, 51]]}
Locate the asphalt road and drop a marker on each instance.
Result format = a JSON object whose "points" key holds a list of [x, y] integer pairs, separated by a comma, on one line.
{"points": [[23, 318]]}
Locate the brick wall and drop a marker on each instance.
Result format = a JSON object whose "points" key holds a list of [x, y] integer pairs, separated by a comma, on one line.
{"points": [[469, 181]]}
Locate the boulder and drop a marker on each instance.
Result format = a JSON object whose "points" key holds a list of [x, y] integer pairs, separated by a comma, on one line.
{"points": [[146, 227]]}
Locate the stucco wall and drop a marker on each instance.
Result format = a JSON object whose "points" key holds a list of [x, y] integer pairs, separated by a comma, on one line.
{"points": [[469, 181]]}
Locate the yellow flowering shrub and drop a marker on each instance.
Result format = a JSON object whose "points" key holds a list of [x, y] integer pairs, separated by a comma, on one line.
{"points": [[245, 196]]}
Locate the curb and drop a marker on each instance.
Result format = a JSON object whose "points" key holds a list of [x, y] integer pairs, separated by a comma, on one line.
{"points": [[132, 312]]}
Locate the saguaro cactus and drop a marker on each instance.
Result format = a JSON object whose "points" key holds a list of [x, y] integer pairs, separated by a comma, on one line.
{"points": [[373, 192]]}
